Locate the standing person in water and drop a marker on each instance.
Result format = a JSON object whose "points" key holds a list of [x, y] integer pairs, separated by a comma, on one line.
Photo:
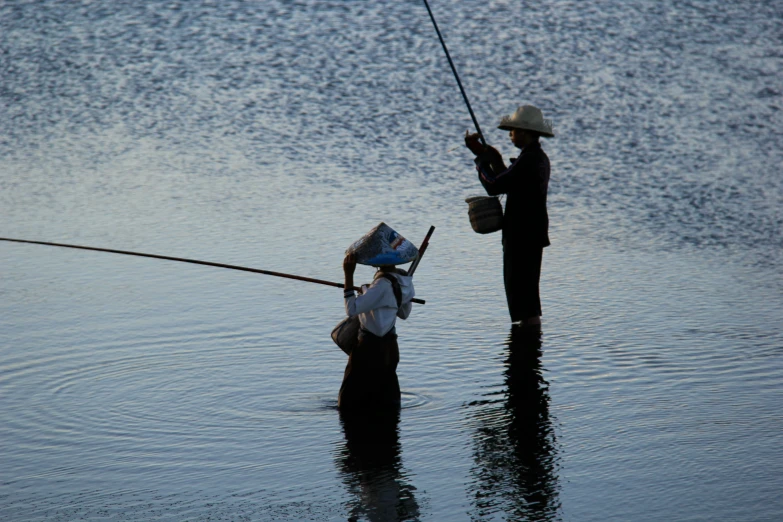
{"points": [[370, 379], [525, 220]]}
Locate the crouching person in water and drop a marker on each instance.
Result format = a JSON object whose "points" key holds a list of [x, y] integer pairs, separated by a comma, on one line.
{"points": [[370, 379]]}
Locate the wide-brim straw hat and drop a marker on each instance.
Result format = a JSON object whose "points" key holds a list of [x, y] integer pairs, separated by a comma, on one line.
{"points": [[383, 246], [528, 117]]}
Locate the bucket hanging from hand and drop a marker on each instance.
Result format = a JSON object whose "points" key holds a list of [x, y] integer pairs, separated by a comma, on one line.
{"points": [[486, 213]]}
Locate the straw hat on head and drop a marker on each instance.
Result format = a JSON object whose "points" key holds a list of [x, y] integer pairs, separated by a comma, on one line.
{"points": [[528, 117]]}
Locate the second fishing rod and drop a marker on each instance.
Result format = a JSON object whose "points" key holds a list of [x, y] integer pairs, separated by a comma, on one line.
{"points": [[412, 269]]}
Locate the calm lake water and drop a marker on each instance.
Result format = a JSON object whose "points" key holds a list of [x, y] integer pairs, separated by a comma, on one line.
{"points": [[273, 134]]}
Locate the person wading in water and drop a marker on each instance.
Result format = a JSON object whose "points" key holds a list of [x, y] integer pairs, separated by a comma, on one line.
{"points": [[370, 379], [525, 220]]}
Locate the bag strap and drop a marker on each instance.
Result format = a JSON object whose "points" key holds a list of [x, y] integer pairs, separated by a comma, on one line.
{"points": [[395, 287]]}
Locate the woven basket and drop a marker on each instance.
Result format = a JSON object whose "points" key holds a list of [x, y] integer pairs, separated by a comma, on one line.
{"points": [[486, 213]]}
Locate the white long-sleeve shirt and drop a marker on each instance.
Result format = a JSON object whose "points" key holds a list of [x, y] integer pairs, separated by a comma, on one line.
{"points": [[377, 306]]}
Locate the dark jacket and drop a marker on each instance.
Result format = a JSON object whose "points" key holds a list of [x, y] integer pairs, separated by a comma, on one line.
{"points": [[525, 183]]}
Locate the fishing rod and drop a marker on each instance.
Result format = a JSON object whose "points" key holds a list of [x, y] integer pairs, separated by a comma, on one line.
{"points": [[454, 70], [422, 249], [197, 262]]}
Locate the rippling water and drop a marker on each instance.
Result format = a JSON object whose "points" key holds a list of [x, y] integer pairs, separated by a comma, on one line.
{"points": [[272, 135]]}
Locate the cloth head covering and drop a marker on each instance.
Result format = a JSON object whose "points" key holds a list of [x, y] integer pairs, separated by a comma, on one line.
{"points": [[528, 117], [383, 246]]}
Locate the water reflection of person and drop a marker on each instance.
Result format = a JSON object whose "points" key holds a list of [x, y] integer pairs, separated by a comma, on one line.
{"points": [[372, 468], [515, 468]]}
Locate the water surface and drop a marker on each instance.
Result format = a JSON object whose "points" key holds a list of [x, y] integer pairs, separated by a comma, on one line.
{"points": [[273, 135]]}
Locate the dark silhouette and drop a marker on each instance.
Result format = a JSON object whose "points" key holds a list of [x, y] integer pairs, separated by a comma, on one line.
{"points": [[515, 450], [372, 467], [525, 220]]}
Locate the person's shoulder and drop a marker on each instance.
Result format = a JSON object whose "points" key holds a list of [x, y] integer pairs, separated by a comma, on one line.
{"points": [[403, 279], [533, 155], [381, 280], [533, 149], [540, 151], [399, 277]]}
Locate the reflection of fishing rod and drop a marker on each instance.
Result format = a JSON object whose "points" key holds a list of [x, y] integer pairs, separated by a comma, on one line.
{"points": [[454, 70], [194, 261]]}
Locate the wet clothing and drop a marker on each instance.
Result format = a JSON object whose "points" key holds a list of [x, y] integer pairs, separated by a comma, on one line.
{"points": [[521, 275], [525, 223], [370, 379]]}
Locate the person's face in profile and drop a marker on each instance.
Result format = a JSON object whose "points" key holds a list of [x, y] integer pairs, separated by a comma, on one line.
{"points": [[520, 137]]}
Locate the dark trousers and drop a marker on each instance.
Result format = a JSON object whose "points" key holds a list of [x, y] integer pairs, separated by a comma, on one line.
{"points": [[521, 275], [370, 380]]}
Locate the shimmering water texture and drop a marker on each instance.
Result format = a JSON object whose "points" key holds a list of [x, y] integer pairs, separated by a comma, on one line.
{"points": [[273, 135]]}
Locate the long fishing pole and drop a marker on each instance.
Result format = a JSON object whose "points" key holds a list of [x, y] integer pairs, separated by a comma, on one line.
{"points": [[193, 261], [454, 70]]}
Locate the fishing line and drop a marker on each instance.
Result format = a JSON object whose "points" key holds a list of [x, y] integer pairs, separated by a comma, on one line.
{"points": [[206, 263]]}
